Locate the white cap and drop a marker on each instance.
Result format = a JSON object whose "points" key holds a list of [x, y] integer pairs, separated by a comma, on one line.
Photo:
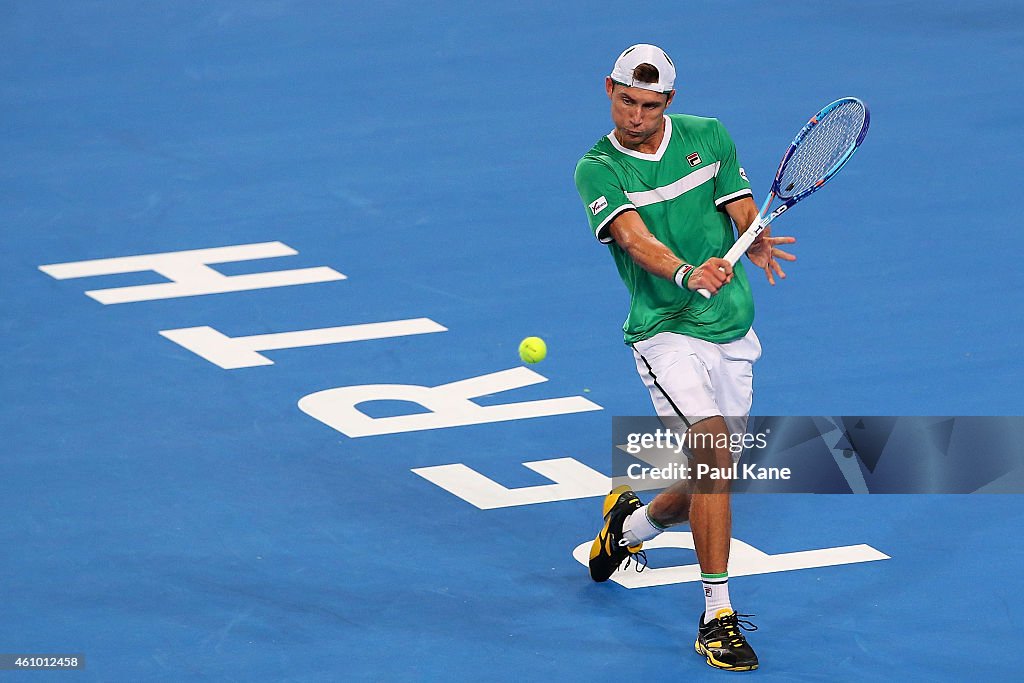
{"points": [[644, 54]]}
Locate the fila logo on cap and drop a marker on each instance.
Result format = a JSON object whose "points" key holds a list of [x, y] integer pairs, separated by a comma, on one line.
{"points": [[694, 159], [598, 205]]}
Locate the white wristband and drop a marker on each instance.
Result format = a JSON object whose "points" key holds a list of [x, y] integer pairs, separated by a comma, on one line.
{"points": [[680, 275]]}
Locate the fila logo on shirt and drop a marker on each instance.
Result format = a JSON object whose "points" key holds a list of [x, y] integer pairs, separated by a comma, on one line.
{"points": [[598, 205], [743, 174], [694, 159]]}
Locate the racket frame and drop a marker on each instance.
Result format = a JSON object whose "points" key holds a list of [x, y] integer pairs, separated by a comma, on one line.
{"points": [[744, 241]]}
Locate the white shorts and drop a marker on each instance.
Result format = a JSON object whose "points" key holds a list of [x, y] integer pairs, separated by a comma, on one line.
{"points": [[692, 379]]}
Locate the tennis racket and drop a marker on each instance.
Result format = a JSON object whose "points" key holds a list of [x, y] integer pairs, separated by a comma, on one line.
{"points": [[818, 151]]}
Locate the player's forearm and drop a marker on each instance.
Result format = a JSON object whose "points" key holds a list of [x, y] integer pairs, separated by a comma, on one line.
{"points": [[650, 254], [633, 237]]}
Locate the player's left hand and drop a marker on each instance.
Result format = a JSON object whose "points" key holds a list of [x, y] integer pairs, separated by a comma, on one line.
{"points": [[763, 254]]}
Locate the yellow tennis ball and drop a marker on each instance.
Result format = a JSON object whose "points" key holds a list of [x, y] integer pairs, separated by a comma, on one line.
{"points": [[533, 349]]}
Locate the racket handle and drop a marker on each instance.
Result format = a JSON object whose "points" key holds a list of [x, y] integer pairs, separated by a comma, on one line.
{"points": [[740, 247]]}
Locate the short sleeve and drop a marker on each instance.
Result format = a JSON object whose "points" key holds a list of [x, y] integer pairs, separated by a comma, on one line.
{"points": [[602, 195], [731, 181]]}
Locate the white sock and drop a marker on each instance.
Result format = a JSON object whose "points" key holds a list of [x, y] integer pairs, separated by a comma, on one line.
{"points": [[716, 594], [638, 527]]}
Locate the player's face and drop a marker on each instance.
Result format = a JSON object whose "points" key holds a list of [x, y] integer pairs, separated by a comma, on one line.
{"points": [[636, 113]]}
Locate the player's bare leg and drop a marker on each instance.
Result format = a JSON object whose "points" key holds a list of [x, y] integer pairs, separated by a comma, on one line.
{"points": [[705, 502], [710, 512], [672, 506]]}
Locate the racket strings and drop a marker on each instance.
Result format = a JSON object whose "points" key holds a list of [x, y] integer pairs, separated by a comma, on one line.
{"points": [[821, 148]]}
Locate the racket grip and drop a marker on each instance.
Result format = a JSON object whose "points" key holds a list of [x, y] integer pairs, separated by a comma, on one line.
{"points": [[740, 247]]}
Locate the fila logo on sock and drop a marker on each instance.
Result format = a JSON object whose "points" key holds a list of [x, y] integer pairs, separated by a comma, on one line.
{"points": [[694, 159], [598, 205], [707, 591]]}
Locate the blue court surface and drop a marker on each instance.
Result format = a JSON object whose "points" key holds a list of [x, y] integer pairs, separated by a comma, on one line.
{"points": [[173, 519]]}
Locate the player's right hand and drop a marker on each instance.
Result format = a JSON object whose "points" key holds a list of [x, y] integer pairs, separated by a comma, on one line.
{"points": [[712, 275]]}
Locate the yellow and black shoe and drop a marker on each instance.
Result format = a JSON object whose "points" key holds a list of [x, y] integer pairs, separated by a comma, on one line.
{"points": [[609, 549], [722, 643]]}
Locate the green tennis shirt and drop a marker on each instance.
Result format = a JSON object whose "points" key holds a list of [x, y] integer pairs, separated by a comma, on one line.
{"points": [[680, 192]]}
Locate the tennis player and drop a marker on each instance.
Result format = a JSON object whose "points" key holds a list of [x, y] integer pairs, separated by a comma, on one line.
{"points": [[663, 192]]}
